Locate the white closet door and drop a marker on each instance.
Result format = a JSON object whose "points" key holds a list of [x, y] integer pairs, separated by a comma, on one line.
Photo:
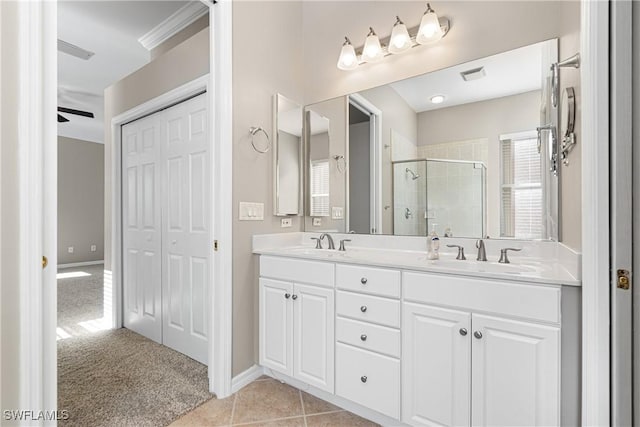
{"points": [[142, 227], [186, 242]]}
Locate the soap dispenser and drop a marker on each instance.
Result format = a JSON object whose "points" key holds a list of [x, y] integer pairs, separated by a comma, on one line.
{"points": [[433, 244]]}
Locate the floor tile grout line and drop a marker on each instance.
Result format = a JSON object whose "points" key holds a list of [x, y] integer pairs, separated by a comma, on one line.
{"points": [[269, 420], [304, 412], [233, 407]]}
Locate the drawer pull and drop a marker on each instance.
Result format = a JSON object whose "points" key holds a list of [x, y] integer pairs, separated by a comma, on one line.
{"points": [[363, 280], [363, 378], [287, 296], [363, 308], [363, 337], [294, 296], [463, 331], [477, 334]]}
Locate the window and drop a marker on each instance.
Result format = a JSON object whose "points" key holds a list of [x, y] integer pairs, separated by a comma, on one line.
{"points": [[521, 187], [319, 184]]}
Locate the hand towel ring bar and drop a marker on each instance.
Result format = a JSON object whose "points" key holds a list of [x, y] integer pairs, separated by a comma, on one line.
{"points": [[253, 131]]}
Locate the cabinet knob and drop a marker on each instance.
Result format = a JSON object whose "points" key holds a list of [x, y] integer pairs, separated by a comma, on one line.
{"points": [[363, 280], [287, 296], [363, 337], [477, 334], [363, 378], [363, 308], [294, 296], [463, 331]]}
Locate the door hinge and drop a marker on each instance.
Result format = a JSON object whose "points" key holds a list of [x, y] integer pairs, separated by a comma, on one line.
{"points": [[624, 279], [45, 261], [215, 246]]}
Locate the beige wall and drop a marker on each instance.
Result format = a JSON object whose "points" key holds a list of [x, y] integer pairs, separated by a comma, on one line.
{"points": [[178, 66], [9, 215], [80, 200], [478, 29], [267, 58], [190, 31], [478, 120]]}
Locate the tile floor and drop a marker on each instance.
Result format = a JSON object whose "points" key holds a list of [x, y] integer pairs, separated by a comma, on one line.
{"points": [[267, 402]]}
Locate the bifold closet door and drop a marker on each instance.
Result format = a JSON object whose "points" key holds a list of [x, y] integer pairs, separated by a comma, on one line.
{"points": [[142, 231], [186, 245]]}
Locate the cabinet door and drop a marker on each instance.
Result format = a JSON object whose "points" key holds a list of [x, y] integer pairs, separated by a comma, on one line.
{"points": [[436, 366], [276, 314], [313, 327], [516, 378]]}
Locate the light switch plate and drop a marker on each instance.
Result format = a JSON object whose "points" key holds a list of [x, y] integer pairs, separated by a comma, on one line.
{"points": [[317, 222], [286, 222], [251, 211], [337, 212]]}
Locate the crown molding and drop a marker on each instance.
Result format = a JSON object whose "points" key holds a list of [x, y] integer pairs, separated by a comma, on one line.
{"points": [[175, 23]]}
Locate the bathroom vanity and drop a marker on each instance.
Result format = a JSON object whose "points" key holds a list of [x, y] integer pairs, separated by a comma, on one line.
{"points": [[397, 338]]}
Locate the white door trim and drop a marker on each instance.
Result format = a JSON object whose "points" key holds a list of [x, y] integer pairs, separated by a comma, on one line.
{"points": [[375, 138], [594, 73]]}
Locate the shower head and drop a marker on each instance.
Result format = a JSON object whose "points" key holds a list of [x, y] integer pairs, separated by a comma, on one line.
{"points": [[414, 176]]}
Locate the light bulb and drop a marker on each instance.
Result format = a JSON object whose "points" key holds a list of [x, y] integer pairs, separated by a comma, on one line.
{"points": [[400, 39], [430, 30], [372, 51], [348, 60], [437, 99]]}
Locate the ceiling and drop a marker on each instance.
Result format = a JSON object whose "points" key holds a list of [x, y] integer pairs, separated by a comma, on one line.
{"points": [[509, 73], [111, 29]]}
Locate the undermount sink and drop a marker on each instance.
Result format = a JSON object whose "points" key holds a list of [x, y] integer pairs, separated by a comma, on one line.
{"points": [[483, 266]]}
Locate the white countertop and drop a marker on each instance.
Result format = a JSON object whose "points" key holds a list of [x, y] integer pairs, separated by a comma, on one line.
{"points": [[531, 269]]}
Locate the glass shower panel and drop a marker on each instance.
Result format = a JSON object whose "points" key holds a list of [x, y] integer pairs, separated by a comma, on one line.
{"points": [[409, 198], [455, 197]]}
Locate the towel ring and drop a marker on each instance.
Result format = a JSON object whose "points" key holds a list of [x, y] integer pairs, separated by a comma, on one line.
{"points": [[253, 131]]}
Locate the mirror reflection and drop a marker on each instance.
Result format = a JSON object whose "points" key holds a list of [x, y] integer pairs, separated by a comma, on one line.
{"points": [[457, 151], [287, 156]]}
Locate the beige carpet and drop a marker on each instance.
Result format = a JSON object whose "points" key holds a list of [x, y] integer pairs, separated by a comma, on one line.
{"points": [[117, 377]]}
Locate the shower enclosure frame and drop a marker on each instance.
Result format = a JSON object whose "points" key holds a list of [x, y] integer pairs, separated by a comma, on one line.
{"points": [[426, 159]]}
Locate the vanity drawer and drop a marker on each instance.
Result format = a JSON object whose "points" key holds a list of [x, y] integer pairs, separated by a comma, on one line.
{"points": [[371, 280], [368, 336], [297, 270], [536, 302], [369, 308], [367, 378]]}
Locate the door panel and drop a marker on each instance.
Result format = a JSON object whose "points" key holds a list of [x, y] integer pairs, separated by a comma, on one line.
{"points": [[436, 368], [276, 313], [142, 231], [186, 232], [313, 336], [515, 373]]}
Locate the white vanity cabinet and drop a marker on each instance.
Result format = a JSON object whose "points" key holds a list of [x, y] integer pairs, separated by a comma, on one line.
{"points": [[297, 320], [463, 366]]}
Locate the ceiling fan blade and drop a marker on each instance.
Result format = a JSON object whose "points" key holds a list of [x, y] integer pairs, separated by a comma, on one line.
{"points": [[76, 112], [62, 119]]}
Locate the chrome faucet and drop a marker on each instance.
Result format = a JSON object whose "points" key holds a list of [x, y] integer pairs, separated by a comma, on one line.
{"points": [[482, 253], [329, 240], [504, 259]]}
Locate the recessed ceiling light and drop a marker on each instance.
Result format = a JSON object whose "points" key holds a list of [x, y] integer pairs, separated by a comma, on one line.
{"points": [[437, 99]]}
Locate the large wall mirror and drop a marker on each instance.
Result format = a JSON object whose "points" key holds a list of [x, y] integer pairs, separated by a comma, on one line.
{"points": [[287, 156], [468, 151]]}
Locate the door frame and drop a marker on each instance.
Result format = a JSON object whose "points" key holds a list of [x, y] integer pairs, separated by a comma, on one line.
{"points": [[375, 156]]}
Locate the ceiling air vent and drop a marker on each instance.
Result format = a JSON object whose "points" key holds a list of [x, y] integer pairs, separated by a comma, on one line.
{"points": [[74, 50], [473, 74]]}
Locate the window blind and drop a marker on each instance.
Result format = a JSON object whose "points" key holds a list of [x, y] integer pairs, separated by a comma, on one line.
{"points": [[319, 183], [521, 189]]}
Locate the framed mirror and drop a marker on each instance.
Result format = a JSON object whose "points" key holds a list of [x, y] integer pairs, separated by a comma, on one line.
{"points": [[456, 150], [287, 156]]}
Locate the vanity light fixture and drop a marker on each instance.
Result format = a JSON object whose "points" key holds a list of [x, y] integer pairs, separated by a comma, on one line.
{"points": [[437, 99], [431, 29]]}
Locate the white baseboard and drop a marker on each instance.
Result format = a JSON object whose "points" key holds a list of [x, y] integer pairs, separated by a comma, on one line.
{"points": [[245, 378], [80, 264]]}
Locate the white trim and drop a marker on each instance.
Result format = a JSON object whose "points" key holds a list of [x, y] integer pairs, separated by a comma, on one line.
{"points": [[178, 21], [245, 378], [594, 73], [37, 181], [79, 264], [375, 115], [221, 57]]}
